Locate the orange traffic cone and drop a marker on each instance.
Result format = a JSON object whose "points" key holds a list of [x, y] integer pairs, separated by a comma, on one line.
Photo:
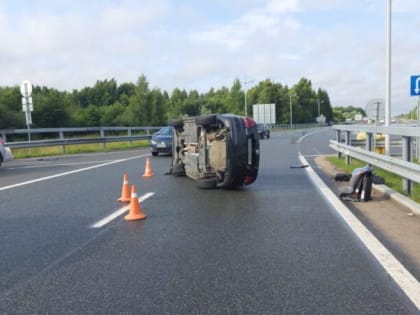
{"points": [[125, 192], [135, 212], [148, 169]]}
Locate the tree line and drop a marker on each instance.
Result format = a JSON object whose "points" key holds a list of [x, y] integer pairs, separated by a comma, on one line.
{"points": [[108, 103]]}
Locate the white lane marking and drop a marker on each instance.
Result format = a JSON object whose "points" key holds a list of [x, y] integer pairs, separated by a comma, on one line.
{"points": [[308, 134], [119, 212], [404, 279], [70, 172]]}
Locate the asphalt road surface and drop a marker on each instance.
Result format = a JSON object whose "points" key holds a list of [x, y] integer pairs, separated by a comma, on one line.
{"points": [[274, 247]]}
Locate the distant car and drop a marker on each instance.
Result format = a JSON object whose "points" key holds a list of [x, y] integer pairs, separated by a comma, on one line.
{"points": [[2, 151], [263, 131], [5, 152], [217, 151], [162, 141]]}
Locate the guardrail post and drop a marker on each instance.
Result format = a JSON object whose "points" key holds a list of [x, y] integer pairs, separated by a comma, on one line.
{"points": [[63, 147], [129, 135], [406, 155], [348, 142], [369, 141], [103, 137], [338, 136]]}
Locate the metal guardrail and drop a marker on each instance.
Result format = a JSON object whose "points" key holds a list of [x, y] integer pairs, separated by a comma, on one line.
{"points": [[47, 143], [102, 131], [296, 126], [402, 166], [63, 141]]}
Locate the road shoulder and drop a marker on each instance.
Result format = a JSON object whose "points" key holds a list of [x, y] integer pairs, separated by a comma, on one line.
{"points": [[394, 224]]}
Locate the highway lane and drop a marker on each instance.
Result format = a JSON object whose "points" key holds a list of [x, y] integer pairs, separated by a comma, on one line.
{"points": [[273, 247], [23, 170]]}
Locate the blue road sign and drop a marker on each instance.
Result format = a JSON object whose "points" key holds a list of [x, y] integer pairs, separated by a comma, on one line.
{"points": [[415, 85]]}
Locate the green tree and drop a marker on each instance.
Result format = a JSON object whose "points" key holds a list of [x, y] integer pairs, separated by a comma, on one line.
{"points": [[138, 113], [306, 109], [111, 115], [235, 99], [157, 108], [11, 115], [175, 104], [324, 104], [340, 114], [50, 108]]}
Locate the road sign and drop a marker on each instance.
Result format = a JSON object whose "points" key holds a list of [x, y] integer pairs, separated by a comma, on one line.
{"points": [[375, 109], [26, 88], [264, 113], [415, 85], [27, 106]]}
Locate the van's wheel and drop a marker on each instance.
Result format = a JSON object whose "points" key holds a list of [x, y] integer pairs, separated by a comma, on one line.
{"points": [[207, 183], [206, 120], [154, 153]]}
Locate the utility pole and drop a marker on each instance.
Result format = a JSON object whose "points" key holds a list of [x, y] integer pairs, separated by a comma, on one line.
{"points": [[291, 109], [388, 79], [418, 126], [246, 90]]}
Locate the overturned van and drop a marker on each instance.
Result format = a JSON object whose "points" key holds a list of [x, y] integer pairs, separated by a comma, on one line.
{"points": [[220, 150]]}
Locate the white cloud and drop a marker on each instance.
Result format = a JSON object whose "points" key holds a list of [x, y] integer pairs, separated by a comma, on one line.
{"points": [[338, 44]]}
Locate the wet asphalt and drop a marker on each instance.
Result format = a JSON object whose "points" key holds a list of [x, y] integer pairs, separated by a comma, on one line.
{"points": [[274, 247]]}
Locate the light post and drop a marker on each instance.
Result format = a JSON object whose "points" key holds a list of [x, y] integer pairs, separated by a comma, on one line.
{"points": [[418, 126], [291, 111], [319, 110], [246, 90], [388, 78]]}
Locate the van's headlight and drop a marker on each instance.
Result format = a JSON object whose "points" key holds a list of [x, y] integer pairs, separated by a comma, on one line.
{"points": [[154, 142]]}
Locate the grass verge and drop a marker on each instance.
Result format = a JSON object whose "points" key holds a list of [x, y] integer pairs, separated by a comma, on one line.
{"points": [[391, 180], [20, 153]]}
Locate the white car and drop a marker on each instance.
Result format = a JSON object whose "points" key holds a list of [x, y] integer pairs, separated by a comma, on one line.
{"points": [[5, 153]]}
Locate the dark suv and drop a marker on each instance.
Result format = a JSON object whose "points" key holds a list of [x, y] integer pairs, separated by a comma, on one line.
{"points": [[216, 150], [263, 131]]}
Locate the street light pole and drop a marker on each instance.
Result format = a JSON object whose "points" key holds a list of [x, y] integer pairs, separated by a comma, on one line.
{"points": [[418, 125], [319, 109], [246, 90], [388, 79], [291, 115]]}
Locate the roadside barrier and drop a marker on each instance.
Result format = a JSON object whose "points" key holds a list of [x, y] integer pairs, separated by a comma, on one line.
{"points": [[125, 191], [135, 212]]}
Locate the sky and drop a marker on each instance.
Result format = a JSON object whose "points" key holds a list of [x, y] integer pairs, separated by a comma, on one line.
{"points": [[339, 45]]}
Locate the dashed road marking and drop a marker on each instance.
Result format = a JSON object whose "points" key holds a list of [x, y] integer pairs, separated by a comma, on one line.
{"points": [[119, 212]]}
